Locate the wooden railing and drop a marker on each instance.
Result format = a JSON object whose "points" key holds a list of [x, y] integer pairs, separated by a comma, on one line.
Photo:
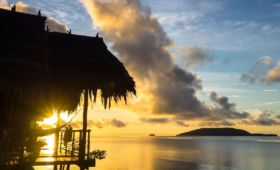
{"points": [[73, 148], [15, 154]]}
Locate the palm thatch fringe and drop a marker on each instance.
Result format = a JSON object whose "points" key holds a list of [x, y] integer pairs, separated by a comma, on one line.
{"points": [[41, 71]]}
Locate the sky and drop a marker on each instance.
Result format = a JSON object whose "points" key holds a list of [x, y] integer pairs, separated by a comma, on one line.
{"points": [[196, 63]]}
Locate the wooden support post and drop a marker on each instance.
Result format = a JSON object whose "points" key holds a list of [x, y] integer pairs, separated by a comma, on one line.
{"points": [[84, 133], [88, 144], [60, 143], [73, 144], [56, 139]]}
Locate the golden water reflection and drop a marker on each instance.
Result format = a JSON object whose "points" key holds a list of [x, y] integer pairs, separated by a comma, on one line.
{"points": [[197, 153]]}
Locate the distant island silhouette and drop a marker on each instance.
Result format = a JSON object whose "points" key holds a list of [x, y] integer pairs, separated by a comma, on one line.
{"points": [[221, 132]]}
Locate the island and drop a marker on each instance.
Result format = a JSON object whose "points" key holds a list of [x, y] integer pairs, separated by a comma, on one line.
{"points": [[152, 134], [221, 132]]}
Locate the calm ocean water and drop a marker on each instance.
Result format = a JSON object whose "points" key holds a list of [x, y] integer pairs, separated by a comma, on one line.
{"points": [[190, 153]]}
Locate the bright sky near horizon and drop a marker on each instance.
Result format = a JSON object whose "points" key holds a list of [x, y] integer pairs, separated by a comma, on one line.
{"points": [[224, 56]]}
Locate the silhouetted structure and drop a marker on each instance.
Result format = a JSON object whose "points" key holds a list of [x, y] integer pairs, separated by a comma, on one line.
{"points": [[42, 71]]}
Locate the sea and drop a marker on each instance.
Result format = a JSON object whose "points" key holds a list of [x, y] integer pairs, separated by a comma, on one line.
{"points": [[187, 153]]}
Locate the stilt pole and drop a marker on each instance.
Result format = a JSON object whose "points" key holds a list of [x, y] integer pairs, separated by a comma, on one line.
{"points": [[84, 134], [56, 139]]}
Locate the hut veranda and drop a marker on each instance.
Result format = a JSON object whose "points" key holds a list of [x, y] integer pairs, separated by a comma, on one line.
{"points": [[41, 71]]}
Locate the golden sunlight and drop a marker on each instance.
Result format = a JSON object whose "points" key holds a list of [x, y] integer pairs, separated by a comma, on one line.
{"points": [[50, 122]]}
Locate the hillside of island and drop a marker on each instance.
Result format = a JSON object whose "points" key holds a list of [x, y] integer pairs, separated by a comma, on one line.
{"points": [[221, 132]]}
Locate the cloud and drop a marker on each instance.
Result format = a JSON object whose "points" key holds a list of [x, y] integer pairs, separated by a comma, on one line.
{"points": [[181, 123], [142, 43], [155, 120], [163, 121], [101, 123], [117, 123], [257, 71], [176, 93], [3, 2], [225, 109], [270, 90], [272, 75], [53, 24], [277, 5], [217, 123], [194, 57], [264, 119], [56, 26]]}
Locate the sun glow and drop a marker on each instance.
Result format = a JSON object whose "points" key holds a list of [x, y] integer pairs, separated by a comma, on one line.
{"points": [[51, 122]]}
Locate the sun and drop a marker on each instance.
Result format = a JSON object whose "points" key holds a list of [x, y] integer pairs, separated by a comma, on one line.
{"points": [[50, 122]]}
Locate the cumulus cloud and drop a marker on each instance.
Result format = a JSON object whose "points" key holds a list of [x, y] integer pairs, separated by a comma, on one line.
{"points": [[194, 57], [140, 40], [257, 71], [272, 75], [225, 109], [176, 93], [53, 24]]}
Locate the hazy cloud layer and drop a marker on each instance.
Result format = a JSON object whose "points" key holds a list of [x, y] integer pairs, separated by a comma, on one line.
{"points": [[164, 121], [258, 70], [53, 24], [155, 120], [181, 123], [117, 123], [217, 123], [101, 123], [264, 119]]}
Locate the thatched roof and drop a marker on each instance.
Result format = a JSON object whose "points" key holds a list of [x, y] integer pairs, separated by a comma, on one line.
{"points": [[47, 69]]}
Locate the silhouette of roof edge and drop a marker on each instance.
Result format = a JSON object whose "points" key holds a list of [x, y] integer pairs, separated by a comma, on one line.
{"points": [[39, 67], [20, 14]]}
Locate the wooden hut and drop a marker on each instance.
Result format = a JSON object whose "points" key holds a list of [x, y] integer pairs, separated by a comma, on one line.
{"points": [[41, 71]]}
